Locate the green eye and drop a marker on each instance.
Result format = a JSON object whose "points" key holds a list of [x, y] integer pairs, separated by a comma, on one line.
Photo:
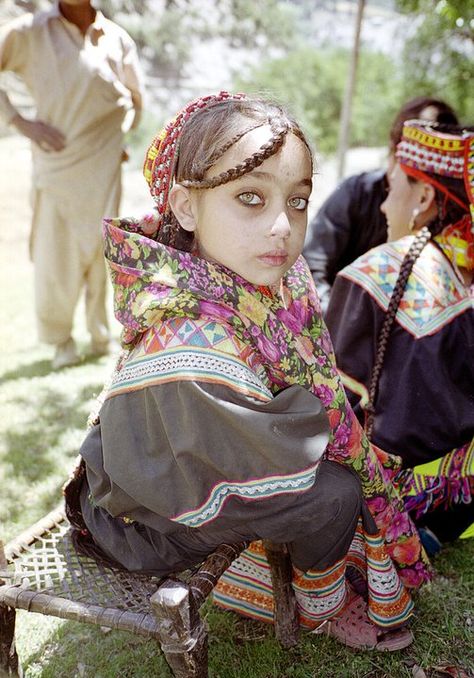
{"points": [[249, 198], [298, 203]]}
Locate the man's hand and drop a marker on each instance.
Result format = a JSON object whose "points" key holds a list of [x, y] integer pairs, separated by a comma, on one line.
{"points": [[47, 137]]}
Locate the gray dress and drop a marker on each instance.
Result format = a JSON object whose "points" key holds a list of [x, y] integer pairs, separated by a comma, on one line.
{"points": [[174, 470]]}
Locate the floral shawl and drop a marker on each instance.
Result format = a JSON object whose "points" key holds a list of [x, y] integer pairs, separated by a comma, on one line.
{"points": [[284, 325]]}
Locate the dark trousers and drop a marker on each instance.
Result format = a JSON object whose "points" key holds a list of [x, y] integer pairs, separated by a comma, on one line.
{"points": [[449, 524], [318, 527]]}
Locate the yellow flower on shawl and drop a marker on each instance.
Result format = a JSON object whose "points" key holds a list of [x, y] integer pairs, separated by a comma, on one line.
{"points": [[142, 308], [304, 346], [134, 251], [165, 276], [152, 316], [253, 309]]}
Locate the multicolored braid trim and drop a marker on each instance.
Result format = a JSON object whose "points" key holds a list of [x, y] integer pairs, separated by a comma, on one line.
{"points": [[431, 151], [162, 154], [469, 176]]}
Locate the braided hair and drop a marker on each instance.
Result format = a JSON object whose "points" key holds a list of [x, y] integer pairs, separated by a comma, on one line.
{"points": [[448, 212], [382, 340], [197, 138], [255, 160]]}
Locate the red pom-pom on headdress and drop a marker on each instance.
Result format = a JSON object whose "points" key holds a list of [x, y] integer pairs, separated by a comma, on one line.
{"points": [[161, 157]]}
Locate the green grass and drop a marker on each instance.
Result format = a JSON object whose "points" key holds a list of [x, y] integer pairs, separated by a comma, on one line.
{"points": [[43, 417]]}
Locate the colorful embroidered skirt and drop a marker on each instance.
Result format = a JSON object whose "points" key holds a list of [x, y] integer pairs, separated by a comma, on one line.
{"points": [[246, 586]]}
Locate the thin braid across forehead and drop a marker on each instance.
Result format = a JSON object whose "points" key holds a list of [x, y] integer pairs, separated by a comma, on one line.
{"points": [[265, 151], [161, 156], [188, 147]]}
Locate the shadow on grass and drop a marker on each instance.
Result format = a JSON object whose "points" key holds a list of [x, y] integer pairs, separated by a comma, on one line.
{"points": [[40, 449], [90, 359], [39, 368], [84, 650], [29, 446], [42, 368]]}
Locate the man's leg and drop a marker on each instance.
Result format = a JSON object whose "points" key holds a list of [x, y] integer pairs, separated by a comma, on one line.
{"points": [[57, 271]]}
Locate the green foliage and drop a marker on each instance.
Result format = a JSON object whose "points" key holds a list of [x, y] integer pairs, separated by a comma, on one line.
{"points": [[311, 84], [250, 24], [166, 31], [314, 99], [438, 58]]}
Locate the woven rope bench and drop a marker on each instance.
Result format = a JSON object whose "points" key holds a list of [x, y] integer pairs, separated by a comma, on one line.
{"points": [[40, 571]]}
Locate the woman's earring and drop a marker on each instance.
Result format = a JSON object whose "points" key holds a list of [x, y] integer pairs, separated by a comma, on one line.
{"points": [[412, 223]]}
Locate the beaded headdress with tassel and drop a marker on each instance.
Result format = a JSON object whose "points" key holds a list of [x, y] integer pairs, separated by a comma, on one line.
{"points": [[160, 163], [430, 155]]}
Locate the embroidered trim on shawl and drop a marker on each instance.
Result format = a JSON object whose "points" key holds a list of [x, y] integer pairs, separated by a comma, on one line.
{"points": [[188, 364], [195, 332], [432, 297], [260, 488]]}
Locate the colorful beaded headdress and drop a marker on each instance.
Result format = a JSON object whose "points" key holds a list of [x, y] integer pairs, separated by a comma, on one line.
{"points": [[162, 155], [430, 155]]}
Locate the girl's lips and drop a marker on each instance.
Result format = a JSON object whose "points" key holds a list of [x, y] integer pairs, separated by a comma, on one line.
{"points": [[273, 258]]}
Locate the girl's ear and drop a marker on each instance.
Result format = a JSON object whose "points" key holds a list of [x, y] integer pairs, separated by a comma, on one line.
{"points": [[182, 205], [427, 197]]}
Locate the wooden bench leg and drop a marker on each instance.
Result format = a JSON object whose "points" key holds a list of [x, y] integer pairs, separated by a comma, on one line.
{"points": [[183, 634], [9, 665], [285, 607]]}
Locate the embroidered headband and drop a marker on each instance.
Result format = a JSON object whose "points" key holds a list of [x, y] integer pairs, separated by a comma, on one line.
{"points": [[161, 157], [424, 151]]}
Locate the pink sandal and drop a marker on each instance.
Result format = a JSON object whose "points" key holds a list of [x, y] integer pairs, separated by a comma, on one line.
{"points": [[354, 629]]}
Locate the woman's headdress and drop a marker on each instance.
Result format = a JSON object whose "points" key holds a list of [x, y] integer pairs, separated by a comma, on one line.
{"points": [[435, 156]]}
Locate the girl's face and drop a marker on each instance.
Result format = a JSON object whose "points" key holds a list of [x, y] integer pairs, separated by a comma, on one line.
{"points": [[256, 225], [403, 198]]}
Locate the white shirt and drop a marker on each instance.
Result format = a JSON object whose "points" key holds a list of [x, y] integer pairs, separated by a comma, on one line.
{"points": [[88, 86]]}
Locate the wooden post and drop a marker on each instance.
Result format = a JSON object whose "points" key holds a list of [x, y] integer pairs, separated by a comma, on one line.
{"points": [[183, 634], [345, 122], [285, 606], [9, 665]]}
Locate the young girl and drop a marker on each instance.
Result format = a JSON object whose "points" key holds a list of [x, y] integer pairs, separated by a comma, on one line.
{"points": [[225, 420]]}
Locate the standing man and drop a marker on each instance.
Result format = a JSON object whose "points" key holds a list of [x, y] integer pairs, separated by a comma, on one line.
{"points": [[83, 74]]}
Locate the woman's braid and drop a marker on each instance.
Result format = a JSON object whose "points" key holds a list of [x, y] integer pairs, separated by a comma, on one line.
{"points": [[382, 341], [255, 160]]}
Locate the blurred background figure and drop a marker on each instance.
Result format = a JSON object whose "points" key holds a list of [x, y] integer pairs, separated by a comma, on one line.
{"points": [[83, 74], [350, 222], [401, 318]]}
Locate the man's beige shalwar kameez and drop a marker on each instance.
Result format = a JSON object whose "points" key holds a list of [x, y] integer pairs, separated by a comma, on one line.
{"points": [[88, 87]]}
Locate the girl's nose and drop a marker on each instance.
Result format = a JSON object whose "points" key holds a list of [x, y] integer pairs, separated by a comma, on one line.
{"points": [[281, 226]]}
